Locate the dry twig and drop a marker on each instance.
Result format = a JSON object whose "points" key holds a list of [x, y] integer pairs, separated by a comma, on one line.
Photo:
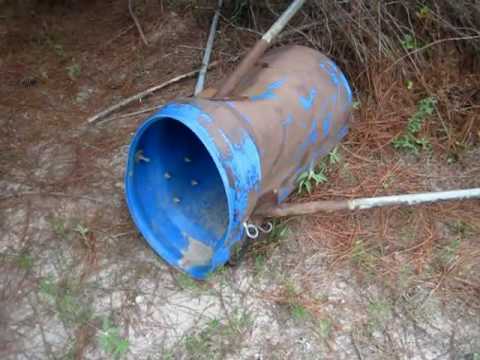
{"points": [[137, 23], [143, 94]]}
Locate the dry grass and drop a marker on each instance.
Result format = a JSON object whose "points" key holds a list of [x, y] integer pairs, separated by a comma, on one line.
{"points": [[396, 54], [389, 256]]}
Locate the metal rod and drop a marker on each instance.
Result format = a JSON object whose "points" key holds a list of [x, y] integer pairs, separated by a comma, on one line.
{"points": [[208, 50], [259, 49], [313, 207]]}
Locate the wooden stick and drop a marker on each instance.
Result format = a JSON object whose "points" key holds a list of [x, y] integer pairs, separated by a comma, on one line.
{"points": [[143, 94], [137, 23], [258, 50]]}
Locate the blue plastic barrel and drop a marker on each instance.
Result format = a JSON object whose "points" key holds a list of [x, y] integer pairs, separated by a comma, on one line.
{"points": [[198, 168]]}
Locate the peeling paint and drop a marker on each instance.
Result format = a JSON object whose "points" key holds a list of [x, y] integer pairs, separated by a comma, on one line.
{"points": [[326, 124], [288, 121], [307, 101], [268, 94], [196, 254], [342, 132]]}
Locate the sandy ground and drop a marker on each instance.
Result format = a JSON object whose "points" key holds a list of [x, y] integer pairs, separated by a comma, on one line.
{"points": [[77, 280]]}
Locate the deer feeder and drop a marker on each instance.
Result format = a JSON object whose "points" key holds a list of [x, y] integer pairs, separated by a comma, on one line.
{"points": [[199, 168]]}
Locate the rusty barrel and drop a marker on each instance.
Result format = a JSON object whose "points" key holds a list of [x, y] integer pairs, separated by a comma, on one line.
{"points": [[199, 168]]}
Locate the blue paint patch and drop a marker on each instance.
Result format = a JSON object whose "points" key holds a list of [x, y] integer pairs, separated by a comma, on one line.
{"points": [[310, 140], [327, 124], [283, 193], [244, 163], [243, 116], [277, 84], [288, 121], [205, 118], [331, 70], [268, 94], [342, 132], [313, 137], [346, 86], [307, 101]]}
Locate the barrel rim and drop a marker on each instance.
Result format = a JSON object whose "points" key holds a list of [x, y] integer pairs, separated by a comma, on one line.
{"points": [[188, 115]]}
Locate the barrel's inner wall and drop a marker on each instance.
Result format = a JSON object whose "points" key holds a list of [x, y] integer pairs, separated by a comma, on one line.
{"points": [[178, 189]]}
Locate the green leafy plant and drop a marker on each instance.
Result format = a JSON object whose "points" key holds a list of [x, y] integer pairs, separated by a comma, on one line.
{"points": [[259, 263], [111, 342], [217, 336], [292, 298], [449, 253], [325, 328], [409, 42], [58, 226], [333, 158], [379, 312], [307, 178], [409, 140], [74, 71], [363, 257], [279, 231], [187, 283], [82, 231], [64, 295], [423, 12], [24, 261], [299, 312]]}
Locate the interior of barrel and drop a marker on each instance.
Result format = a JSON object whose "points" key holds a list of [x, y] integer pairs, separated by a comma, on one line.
{"points": [[175, 191]]}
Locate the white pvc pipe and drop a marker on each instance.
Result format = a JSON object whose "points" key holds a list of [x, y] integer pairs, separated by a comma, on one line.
{"points": [[208, 50], [282, 20], [413, 199]]}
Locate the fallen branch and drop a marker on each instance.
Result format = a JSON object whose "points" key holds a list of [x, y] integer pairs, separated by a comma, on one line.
{"points": [[137, 23], [143, 94]]}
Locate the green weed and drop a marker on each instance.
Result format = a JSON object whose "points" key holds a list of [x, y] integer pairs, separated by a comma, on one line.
{"points": [[379, 312], [299, 312], [363, 257], [217, 336], [74, 71], [423, 12], [187, 283], [279, 231], [318, 175], [334, 158], [58, 226], [24, 261], [259, 264], [409, 140], [325, 328], [307, 178], [68, 301], [82, 231], [111, 341], [460, 228], [450, 252], [409, 42], [292, 299]]}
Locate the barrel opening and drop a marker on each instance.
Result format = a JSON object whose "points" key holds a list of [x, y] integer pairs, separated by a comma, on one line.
{"points": [[176, 190]]}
